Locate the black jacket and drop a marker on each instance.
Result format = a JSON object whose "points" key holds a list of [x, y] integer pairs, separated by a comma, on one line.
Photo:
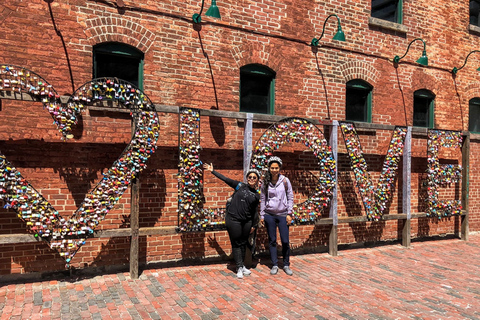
{"points": [[245, 201]]}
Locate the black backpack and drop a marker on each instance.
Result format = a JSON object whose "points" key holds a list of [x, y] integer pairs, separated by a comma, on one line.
{"points": [[229, 200]]}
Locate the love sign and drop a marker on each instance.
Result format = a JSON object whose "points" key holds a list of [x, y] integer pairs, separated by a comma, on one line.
{"points": [[68, 234]]}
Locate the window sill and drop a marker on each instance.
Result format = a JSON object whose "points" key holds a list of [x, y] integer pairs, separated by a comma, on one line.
{"points": [[475, 136], [473, 28], [384, 24]]}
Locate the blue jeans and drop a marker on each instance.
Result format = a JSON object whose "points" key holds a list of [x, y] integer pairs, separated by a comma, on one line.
{"points": [[271, 223]]}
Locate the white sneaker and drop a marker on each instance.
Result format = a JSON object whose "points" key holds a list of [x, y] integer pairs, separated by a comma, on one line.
{"points": [[288, 270], [245, 271], [240, 273], [274, 270]]}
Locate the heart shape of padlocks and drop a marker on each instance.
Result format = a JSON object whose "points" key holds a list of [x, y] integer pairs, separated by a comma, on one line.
{"points": [[67, 235]]}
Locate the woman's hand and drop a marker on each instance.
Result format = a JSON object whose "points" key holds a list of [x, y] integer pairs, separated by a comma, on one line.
{"points": [[262, 223], [289, 220], [208, 167]]}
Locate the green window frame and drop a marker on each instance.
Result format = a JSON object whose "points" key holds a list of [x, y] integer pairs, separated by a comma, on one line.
{"points": [[474, 12], [358, 101], [474, 115], [390, 10], [118, 60], [257, 89], [423, 108]]}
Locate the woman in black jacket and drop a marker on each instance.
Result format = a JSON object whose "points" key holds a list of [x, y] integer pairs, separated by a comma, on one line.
{"points": [[241, 214]]}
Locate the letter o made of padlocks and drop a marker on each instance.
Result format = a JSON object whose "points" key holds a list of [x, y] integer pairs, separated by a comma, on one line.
{"points": [[300, 131]]}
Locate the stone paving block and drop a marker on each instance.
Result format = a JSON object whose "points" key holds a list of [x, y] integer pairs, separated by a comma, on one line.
{"points": [[431, 280]]}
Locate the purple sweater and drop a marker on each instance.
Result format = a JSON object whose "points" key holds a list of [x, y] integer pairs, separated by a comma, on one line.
{"points": [[280, 201]]}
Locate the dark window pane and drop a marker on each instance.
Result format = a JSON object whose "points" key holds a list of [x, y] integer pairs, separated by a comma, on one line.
{"points": [[420, 112], [255, 89], [474, 12], [124, 68], [474, 115], [422, 107], [356, 104], [386, 10], [117, 60], [357, 100]]}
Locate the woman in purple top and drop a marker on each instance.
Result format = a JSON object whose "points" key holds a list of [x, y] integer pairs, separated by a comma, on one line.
{"points": [[276, 206]]}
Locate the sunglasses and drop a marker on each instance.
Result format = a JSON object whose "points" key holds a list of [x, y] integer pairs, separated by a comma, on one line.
{"points": [[254, 177]]}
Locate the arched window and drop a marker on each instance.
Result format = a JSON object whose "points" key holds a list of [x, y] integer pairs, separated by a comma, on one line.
{"points": [[118, 60], [257, 89], [474, 115], [423, 108], [390, 10], [358, 101]]}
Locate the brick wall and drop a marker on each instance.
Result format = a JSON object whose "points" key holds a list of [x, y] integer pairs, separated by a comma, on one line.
{"points": [[309, 83]]}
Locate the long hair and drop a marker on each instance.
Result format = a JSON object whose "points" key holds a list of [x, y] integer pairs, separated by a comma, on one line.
{"points": [[267, 178]]}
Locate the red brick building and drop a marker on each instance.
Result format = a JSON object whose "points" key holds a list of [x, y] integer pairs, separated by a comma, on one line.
{"points": [[258, 58]]}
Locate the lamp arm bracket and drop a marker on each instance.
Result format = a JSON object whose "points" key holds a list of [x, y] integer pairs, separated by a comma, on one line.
{"points": [[455, 70], [408, 48], [315, 40], [197, 17]]}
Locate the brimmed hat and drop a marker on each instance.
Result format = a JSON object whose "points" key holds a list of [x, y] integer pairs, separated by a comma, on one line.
{"points": [[253, 171], [274, 159]]}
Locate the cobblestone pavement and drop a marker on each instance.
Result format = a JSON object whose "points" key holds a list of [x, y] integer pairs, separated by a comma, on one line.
{"points": [[431, 280]]}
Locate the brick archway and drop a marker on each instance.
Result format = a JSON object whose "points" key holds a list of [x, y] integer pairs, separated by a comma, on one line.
{"points": [[108, 29], [471, 90], [357, 69], [258, 53]]}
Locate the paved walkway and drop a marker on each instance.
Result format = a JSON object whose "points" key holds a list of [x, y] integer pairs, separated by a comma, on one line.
{"points": [[431, 280]]}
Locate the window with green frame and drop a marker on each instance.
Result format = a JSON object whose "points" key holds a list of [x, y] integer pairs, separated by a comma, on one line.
{"points": [[423, 108], [113, 59], [474, 10], [390, 10], [474, 115], [257, 89], [358, 101]]}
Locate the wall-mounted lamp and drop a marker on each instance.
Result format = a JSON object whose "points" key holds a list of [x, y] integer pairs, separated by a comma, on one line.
{"points": [[211, 12], [340, 36], [455, 69], [423, 60]]}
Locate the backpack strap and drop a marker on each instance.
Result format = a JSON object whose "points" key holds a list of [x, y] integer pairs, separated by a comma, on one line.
{"points": [[266, 192], [229, 199]]}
